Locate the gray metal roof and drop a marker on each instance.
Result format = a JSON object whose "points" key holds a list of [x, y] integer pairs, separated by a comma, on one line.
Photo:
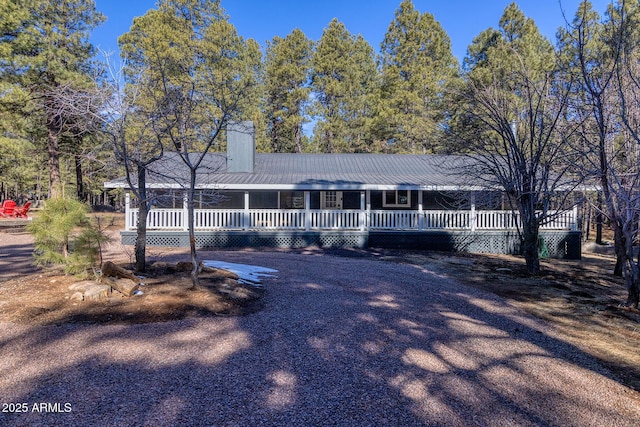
{"points": [[317, 172]]}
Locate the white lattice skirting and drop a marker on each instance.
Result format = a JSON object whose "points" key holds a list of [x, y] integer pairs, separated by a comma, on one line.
{"points": [[557, 244]]}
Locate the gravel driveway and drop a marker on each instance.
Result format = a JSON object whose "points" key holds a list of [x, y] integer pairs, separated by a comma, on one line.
{"points": [[341, 342]]}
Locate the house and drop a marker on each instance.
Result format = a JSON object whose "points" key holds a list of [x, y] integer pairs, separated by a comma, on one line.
{"points": [[354, 200]]}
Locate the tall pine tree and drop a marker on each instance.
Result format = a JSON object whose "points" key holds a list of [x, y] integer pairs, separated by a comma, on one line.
{"points": [[287, 66], [343, 83], [417, 66], [46, 58]]}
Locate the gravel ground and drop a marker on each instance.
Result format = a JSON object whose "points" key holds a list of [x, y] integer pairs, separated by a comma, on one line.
{"points": [[341, 342]]}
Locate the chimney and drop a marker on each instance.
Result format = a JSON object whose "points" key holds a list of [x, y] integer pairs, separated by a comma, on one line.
{"points": [[241, 146]]}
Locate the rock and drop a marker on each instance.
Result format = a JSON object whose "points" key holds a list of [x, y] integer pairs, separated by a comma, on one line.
{"points": [[97, 293], [77, 296], [82, 286], [162, 265]]}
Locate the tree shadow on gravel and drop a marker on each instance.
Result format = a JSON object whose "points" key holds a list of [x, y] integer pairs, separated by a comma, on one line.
{"points": [[15, 260], [336, 347]]}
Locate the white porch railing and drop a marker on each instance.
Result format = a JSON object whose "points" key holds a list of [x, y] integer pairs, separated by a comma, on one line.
{"points": [[335, 219], [276, 219], [296, 219]]}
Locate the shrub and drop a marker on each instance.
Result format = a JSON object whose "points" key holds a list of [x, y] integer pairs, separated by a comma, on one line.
{"points": [[65, 235]]}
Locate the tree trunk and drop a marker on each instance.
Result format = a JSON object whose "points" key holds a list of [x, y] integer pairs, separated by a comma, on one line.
{"points": [[530, 237], [141, 227], [633, 287], [53, 150], [530, 252], [599, 220], [192, 234], [632, 279], [298, 138], [79, 181], [620, 252]]}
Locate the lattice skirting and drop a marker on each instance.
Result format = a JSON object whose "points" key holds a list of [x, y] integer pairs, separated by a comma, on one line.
{"points": [[280, 239], [556, 244]]}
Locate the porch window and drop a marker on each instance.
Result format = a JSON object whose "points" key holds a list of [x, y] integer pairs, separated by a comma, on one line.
{"points": [[292, 200], [396, 199], [263, 200]]}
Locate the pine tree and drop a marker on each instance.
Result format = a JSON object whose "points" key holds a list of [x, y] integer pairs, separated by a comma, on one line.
{"points": [[343, 82], [46, 59], [417, 66], [287, 91]]}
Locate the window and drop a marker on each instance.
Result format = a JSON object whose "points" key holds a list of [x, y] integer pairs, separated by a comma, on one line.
{"points": [[292, 200], [397, 198]]}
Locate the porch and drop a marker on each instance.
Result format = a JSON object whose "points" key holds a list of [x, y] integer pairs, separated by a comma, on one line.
{"points": [[363, 220], [466, 230]]}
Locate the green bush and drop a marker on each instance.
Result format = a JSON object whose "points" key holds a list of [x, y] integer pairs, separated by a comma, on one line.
{"points": [[65, 235]]}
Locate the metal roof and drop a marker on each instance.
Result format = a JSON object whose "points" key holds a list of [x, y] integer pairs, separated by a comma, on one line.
{"points": [[281, 171]]}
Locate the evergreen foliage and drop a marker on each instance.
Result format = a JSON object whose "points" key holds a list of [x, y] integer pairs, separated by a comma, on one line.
{"points": [[188, 73], [195, 75], [65, 235], [287, 65], [417, 68], [46, 69], [343, 82]]}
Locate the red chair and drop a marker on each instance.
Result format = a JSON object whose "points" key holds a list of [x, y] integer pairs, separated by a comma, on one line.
{"points": [[22, 211], [8, 208]]}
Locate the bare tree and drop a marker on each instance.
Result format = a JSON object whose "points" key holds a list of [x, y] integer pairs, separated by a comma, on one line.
{"points": [[627, 159], [128, 126], [515, 132], [512, 123], [603, 55]]}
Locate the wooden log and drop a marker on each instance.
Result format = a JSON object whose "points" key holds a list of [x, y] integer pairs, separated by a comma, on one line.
{"points": [[123, 285], [112, 270]]}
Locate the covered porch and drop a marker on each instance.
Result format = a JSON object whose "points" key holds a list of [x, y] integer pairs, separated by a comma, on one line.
{"points": [[335, 211]]}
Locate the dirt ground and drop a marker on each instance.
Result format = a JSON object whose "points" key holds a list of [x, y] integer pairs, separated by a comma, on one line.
{"points": [[581, 299], [31, 295]]}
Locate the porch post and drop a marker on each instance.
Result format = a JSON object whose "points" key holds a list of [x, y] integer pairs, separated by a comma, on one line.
{"points": [[245, 219], [367, 219], [127, 211], [307, 211], [472, 216], [420, 211], [362, 215], [185, 211], [574, 225]]}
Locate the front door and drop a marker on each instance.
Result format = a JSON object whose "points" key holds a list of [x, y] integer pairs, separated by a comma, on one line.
{"points": [[331, 199]]}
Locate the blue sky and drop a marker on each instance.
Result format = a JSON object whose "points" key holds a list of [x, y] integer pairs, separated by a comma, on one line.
{"points": [[264, 19]]}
